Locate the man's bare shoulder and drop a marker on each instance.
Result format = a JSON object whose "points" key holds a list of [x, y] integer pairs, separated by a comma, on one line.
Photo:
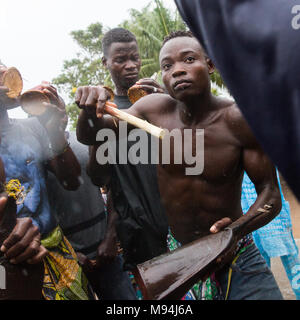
{"points": [[238, 125], [233, 114], [156, 103], [229, 110]]}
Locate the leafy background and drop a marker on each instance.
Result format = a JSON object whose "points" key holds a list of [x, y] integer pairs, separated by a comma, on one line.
{"points": [[150, 25]]}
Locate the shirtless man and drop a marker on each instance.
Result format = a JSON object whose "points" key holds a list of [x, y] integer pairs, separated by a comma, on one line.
{"points": [[208, 202]]}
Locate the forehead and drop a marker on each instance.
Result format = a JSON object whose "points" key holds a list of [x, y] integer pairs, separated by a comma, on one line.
{"points": [[117, 48], [179, 45]]}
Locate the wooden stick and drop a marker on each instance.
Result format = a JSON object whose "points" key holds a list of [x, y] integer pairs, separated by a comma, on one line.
{"points": [[112, 109]]}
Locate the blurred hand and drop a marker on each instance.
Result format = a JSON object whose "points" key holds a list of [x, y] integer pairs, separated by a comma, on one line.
{"points": [[23, 243], [220, 225], [87, 264], [228, 255], [149, 85], [5, 101], [92, 99], [55, 118], [107, 251]]}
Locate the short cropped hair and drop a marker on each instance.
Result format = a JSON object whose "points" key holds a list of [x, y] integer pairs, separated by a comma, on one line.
{"points": [[177, 34], [116, 35], [181, 33]]}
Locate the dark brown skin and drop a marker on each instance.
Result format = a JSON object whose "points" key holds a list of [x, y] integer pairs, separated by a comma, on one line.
{"points": [[198, 205], [23, 243], [108, 249]]}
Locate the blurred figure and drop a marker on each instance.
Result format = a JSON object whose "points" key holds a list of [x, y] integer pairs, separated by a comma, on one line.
{"points": [[88, 227], [30, 148], [276, 238]]}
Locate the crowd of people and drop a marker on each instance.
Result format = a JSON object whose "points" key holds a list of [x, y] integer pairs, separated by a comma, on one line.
{"points": [[91, 224]]}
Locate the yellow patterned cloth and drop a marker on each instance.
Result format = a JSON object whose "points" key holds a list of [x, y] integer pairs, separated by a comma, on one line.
{"points": [[64, 278]]}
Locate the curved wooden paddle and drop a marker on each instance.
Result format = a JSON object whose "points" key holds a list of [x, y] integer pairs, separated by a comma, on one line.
{"points": [[171, 275]]}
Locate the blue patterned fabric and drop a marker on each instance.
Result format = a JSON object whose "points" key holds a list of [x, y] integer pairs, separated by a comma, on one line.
{"points": [[24, 150], [276, 238]]}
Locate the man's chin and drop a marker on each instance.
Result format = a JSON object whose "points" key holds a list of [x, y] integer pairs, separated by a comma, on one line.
{"points": [[181, 95], [128, 83], [185, 95]]}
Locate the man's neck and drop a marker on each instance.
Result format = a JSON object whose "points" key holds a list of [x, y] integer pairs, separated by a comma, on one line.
{"points": [[121, 91], [198, 108]]}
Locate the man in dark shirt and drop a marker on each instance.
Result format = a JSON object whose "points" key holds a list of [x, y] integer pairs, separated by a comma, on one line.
{"points": [[142, 225]]}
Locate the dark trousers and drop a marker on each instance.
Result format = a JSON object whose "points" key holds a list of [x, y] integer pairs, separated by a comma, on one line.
{"points": [[251, 279], [111, 282]]}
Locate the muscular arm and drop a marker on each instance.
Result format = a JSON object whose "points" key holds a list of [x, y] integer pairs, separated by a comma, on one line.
{"points": [[64, 164], [89, 124], [99, 174], [86, 130], [90, 99], [66, 168], [92, 117], [262, 173], [108, 249]]}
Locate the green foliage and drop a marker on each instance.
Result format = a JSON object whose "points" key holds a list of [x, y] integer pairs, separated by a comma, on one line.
{"points": [[150, 26], [90, 40], [85, 69], [73, 112], [217, 79]]}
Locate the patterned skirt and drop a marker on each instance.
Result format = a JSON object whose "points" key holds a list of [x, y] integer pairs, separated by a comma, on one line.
{"points": [[64, 278]]}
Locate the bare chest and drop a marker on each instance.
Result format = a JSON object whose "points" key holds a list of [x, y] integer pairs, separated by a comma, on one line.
{"points": [[208, 152]]}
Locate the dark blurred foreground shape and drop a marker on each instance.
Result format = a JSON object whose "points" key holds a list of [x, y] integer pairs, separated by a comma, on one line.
{"points": [[255, 45]]}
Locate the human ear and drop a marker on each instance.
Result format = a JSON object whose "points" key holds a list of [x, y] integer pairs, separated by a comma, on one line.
{"points": [[104, 62], [210, 66]]}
